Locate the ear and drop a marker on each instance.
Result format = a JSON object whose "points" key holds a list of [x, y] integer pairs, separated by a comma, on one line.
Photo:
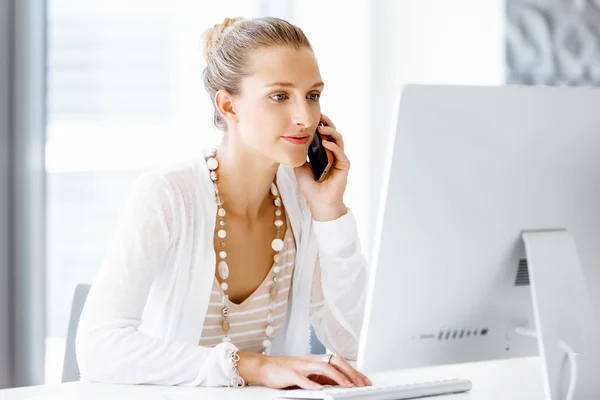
{"points": [[224, 104]]}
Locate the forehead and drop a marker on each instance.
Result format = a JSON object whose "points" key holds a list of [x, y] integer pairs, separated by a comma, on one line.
{"points": [[283, 64]]}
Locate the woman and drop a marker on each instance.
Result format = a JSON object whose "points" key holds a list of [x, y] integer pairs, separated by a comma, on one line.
{"points": [[221, 263]]}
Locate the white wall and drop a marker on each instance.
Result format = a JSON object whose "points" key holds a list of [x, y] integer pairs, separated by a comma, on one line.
{"points": [[428, 41]]}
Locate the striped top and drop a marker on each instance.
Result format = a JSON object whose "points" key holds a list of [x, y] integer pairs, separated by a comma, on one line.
{"points": [[248, 320]]}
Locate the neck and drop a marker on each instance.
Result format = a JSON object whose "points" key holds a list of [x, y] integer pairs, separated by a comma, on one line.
{"points": [[244, 179]]}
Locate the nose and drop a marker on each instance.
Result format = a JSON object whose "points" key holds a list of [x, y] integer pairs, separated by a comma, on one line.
{"points": [[302, 114]]}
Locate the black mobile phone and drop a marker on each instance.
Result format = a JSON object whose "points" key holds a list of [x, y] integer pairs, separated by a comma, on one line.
{"points": [[320, 158]]}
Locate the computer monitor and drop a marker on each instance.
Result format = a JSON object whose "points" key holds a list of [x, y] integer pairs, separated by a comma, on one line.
{"points": [[490, 205]]}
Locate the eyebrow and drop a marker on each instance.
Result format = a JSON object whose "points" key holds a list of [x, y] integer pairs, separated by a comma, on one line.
{"points": [[289, 84]]}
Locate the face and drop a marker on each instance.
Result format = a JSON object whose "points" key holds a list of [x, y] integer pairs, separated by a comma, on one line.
{"points": [[277, 112]]}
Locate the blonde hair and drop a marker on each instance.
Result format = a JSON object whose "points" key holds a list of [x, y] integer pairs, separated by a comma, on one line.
{"points": [[227, 47]]}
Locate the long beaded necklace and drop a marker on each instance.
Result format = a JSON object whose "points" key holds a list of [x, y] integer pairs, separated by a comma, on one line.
{"points": [[223, 267]]}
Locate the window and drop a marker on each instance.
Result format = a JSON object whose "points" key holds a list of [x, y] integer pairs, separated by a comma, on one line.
{"points": [[124, 93]]}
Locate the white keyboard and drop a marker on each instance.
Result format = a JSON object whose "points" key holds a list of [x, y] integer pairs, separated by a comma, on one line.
{"points": [[392, 392]]}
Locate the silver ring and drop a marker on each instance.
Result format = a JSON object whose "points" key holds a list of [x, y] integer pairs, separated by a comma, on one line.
{"points": [[327, 358]]}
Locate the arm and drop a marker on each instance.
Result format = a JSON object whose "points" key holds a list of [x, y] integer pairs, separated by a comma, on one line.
{"points": [[339, 286], [109, 346]]}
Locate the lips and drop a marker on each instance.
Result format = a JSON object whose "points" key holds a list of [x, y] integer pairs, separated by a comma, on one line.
{"points": [[297, 139]]}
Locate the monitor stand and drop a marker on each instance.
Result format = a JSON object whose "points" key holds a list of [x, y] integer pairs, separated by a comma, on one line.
{"points": [[563, 312]]}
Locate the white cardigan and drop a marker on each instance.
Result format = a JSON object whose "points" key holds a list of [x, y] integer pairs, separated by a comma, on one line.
{"points": [[143, 317]]}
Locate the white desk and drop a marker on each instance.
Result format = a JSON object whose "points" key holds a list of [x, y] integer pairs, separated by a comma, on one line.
{"points": [[497, 380]]}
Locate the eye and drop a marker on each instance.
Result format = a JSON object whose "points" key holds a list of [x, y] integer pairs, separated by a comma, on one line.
{"points": [[315, 96], [278, 97]]}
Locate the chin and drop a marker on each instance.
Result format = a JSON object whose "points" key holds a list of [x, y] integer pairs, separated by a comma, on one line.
{"points": [[298, 163], [292, 160], [291, 157]]}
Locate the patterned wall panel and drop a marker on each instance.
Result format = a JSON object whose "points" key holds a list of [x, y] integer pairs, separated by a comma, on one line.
{"points": [[553, 43]]}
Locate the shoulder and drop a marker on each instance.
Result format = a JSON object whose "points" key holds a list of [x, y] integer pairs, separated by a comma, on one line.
{"points": [[172, 184], [180, 177]]}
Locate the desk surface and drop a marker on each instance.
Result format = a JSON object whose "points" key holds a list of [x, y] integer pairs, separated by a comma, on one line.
{"points": [[495, 380]]}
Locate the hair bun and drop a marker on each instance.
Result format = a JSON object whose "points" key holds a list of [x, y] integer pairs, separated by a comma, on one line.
{"points": [[211, 36]]}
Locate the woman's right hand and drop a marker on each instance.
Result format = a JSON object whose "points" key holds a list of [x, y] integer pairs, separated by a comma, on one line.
{"points": [[305, 372]]}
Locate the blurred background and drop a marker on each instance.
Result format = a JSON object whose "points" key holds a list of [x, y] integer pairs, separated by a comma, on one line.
{"points": [[93, 92]]}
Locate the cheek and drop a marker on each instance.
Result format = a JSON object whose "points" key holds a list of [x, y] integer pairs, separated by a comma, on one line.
{"points": [[315, 109], [250, 114], [261, 123], [271, 119]]}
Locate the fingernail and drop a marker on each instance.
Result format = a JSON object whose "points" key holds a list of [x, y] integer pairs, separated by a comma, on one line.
{"points": [[318, 387]]}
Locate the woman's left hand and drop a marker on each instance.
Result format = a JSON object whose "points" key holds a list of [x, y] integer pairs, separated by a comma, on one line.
{"points": [[326, 198]]}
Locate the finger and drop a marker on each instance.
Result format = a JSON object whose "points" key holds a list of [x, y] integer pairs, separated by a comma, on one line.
{"points": [[305, 383], [331, 133], [349, 370], [321, 379], [325, 119], [341, 160], [330, 372], [344, 366]]}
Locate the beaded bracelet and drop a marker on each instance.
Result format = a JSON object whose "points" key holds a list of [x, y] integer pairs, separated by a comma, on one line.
{"points": [[236, 380]]}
